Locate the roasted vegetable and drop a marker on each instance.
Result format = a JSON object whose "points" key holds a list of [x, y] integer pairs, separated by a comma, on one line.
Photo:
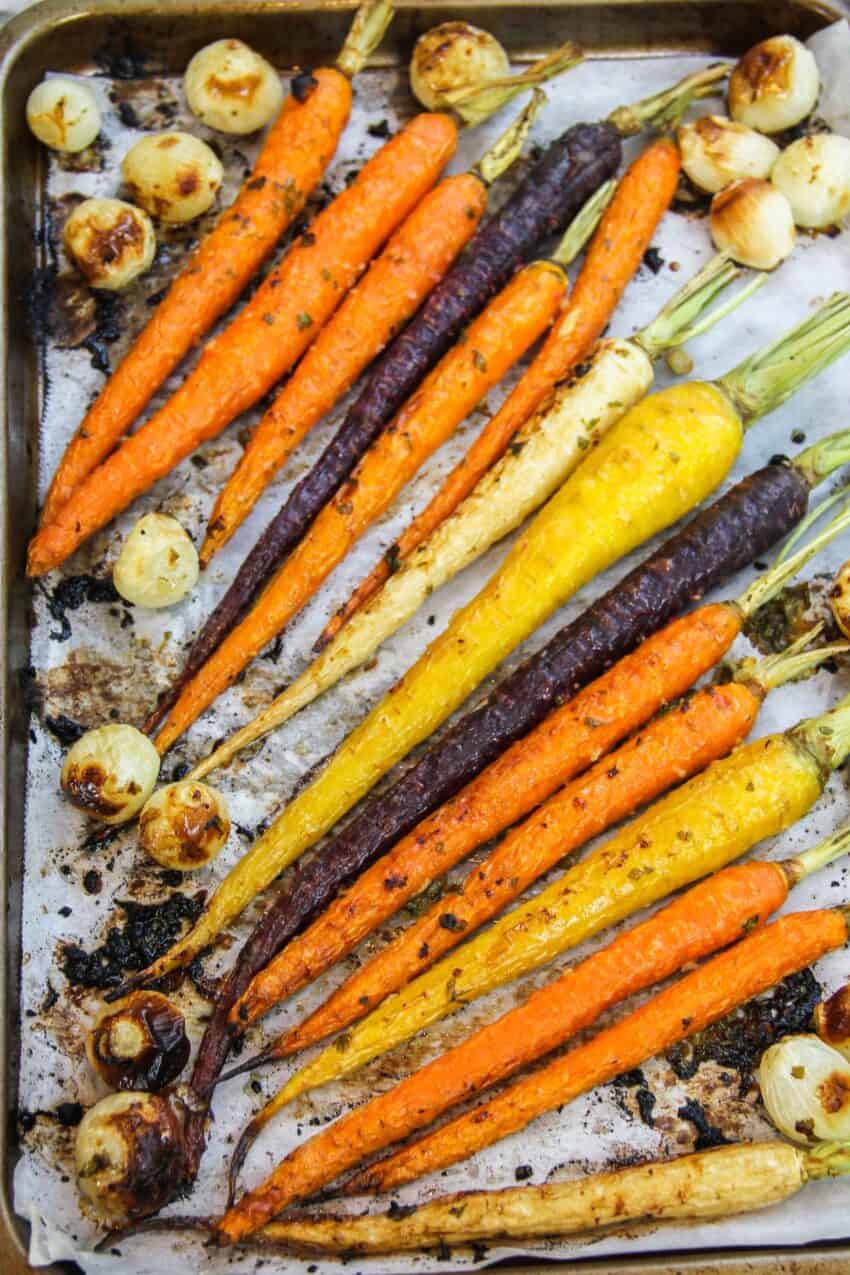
{"points": [[775, 85], [555, 189], [573, 736], [63, 114], [813, 174], [661, 459], [110, 772], [109, 241], [752, 221], [265, 339], [296, 152], [768, 784], [157, 565], [451, 56], [231, 88], [501, 334], [184, 825], [805, 1086], [616, 251], [710, 1184], [571, 168], [695, 1000], [174, 176], [139, 1043], [717, 151], [574, 419], [127, 1155], [832, 1020]]}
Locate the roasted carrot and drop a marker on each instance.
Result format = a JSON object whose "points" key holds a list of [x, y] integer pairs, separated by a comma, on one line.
{"points": [[757, 791], [710, 916], [570, 739], [498, 337], [698, 999], [617, 249], [580, 411], [296, 152], [740, 526], [392, 289], [266, 337], [570, 169], [664, 457], [711, 1184]]}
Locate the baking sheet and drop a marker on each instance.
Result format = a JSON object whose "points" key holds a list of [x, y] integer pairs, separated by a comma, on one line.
{"points": [[112, 666]]}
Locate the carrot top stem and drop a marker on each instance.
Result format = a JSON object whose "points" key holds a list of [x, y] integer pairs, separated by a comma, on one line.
{"points": [[819, 460], [785, 568], [767, 378], [365, 34], [685, 314], [664, 110], [475, 103], [765, 675], [811, 861], [584, 224], [508, 145], [811, 518], [827, 1160], [826, 738]]}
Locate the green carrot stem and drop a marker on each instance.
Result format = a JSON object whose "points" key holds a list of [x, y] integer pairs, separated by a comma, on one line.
{"points": [[665, 109], [508, 146], [685, 314], [365, 34], [827, 737], [765, 675], [828, 1160], [475, 103], [584, 223], [771, 375], [810, 861], [821, 459], [810, 519], [784, 569]]}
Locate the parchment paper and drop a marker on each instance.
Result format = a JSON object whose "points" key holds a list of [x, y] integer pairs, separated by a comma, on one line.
{"points": [[112, 667]]}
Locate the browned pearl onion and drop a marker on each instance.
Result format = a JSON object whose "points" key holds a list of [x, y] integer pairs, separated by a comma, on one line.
{"points": [[129, 1155], [184, 825], [139, 1043]]}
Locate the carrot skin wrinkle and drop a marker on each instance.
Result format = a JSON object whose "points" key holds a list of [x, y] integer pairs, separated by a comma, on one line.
{"points": [[572, 167], [736, 529]]}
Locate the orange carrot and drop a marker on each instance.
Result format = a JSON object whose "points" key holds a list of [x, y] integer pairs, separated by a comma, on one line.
{"points": [[711, 915], [624, 234], [498, 337], [296, 152], [245, 360], [396, 284], [562, 746], [688, 1006]]}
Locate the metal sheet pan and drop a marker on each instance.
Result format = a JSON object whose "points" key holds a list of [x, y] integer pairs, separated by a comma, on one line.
{"points": [[61, 35]]}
